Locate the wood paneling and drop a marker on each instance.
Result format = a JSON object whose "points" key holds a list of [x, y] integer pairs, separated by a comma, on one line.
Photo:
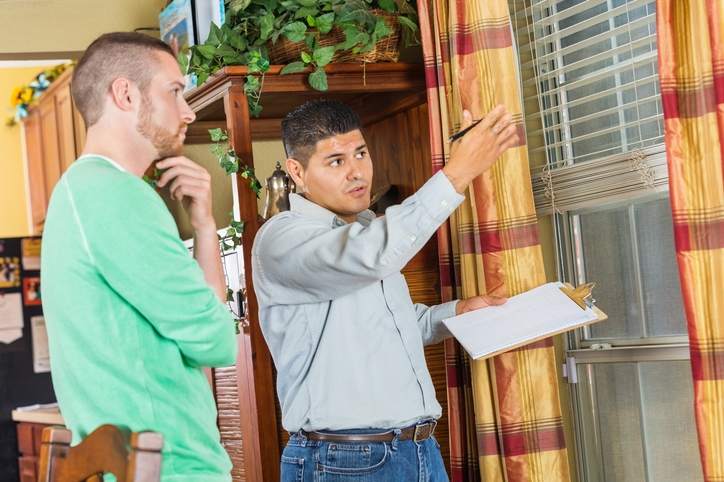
{"points": [[51, 154], [36, 169], [227, 404], [66, 131]]}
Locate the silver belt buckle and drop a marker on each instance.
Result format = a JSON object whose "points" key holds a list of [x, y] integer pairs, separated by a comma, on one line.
{"points": [[431, 425]]}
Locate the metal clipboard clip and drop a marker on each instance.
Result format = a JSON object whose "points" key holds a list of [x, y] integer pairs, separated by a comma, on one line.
{"points": [[581, 295]]}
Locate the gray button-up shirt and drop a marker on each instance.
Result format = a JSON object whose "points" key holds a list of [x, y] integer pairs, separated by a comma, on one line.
{"points": [[336, 312]]}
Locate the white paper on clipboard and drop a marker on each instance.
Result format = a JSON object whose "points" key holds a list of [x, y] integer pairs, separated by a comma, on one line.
{"points": [[536, 314]]}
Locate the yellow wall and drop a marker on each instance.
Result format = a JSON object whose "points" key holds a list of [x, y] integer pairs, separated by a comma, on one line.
{"points": [[13, 210], [68, 25]]}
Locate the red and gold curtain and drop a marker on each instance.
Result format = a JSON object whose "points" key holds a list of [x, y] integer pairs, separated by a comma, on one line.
{"points": [[691, 71], [490, 245]]}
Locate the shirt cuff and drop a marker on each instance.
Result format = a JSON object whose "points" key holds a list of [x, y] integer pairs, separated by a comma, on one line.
{"points": [[438, 313], [439, 197]]}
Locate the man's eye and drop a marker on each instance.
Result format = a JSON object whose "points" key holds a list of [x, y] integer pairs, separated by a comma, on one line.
{"points": [[361, 154], [336, 162]]}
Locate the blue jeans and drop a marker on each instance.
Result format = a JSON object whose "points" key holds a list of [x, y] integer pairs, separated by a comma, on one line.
{"points": [[305, 460]]}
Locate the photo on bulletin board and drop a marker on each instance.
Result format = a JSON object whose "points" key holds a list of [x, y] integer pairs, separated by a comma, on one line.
{"points": [[31, 291], [41, 354], [31, 254], [9, 272]]}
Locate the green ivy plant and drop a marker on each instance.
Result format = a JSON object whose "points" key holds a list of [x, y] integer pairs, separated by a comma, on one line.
{"points": [[251, 26], [230, 162]]}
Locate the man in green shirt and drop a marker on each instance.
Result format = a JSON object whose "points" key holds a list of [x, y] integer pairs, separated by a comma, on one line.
{"points": [[132, 318]]}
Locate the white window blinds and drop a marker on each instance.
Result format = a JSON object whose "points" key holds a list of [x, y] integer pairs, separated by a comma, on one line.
{"points": [[594, 81]]}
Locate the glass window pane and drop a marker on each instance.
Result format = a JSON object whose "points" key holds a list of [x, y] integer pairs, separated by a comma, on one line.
{"points": [[615, 453], [630, 414], [659, 272], [607, 255], [667, 397]]}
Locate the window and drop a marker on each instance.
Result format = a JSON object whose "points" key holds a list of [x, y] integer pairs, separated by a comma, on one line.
{"points": [[594, 122]]}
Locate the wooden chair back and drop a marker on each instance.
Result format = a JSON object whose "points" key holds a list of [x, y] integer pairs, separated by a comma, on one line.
{"points": [[130, 456]]}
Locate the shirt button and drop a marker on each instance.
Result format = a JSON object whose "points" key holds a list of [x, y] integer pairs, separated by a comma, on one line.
{"points": [[413, 238], [443, 204]]}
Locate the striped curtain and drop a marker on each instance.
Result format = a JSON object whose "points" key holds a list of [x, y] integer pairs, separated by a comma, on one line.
{"points": [[691, 71], [490, 245]]}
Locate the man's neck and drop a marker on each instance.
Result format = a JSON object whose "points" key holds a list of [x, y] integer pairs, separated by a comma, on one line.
{"points": [[110, 143], [347, 218]]}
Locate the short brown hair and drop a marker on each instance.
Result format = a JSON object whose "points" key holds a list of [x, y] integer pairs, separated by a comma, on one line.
{"points": [[313, 121], [112, 55]]}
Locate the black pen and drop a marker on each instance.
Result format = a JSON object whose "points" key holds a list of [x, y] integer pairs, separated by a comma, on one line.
{"points": [[458, 135]]}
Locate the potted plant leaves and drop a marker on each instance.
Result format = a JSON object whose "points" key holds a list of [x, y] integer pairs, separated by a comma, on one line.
{"points": [[302, 35]]}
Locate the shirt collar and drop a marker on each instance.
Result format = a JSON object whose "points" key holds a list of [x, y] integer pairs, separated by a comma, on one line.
{"points": [[305, 207], [107, 159]]}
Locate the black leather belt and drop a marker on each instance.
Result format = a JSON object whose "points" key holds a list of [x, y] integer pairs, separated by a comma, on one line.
{"points": [[418, 433]]}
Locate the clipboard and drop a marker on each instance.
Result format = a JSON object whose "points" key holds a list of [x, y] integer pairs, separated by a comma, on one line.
{"points": [[545, 311]]}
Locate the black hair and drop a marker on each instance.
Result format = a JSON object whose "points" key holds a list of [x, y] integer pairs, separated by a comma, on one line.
{"points": [[313, 121]]}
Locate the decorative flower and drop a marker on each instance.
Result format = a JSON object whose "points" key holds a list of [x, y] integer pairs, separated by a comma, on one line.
{"points": [[40, 83], [21, 112], [15, 96], [24, 96]]}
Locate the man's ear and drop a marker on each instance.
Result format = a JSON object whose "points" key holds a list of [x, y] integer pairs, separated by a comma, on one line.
{"points": [[295, 169], [124, 94]]}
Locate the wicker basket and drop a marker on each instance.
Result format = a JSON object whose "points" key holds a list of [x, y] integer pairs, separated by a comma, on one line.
{"points": [[385, 50]]}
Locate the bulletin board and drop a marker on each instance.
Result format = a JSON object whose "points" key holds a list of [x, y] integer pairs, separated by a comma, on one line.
{"points": [[23, 381]]}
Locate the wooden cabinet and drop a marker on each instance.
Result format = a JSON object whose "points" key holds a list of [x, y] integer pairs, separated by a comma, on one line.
{"points": [[49, 145], [36, 172], [65, 127], [29, 438], [28, 469], [54, 134]]}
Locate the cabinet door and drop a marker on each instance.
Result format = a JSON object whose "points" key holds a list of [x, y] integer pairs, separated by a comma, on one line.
{"points": [[36, 170], [66, 133], [28, 469], [51, 154]]}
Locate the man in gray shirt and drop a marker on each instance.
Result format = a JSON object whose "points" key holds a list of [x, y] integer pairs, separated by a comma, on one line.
{"points": [[346, 339]]}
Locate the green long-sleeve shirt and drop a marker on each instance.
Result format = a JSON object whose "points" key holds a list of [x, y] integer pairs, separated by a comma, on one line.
{"points": [[131, 320]]}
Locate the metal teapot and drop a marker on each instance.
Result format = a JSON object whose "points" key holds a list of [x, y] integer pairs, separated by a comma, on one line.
{"points": [[278, 187]]}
